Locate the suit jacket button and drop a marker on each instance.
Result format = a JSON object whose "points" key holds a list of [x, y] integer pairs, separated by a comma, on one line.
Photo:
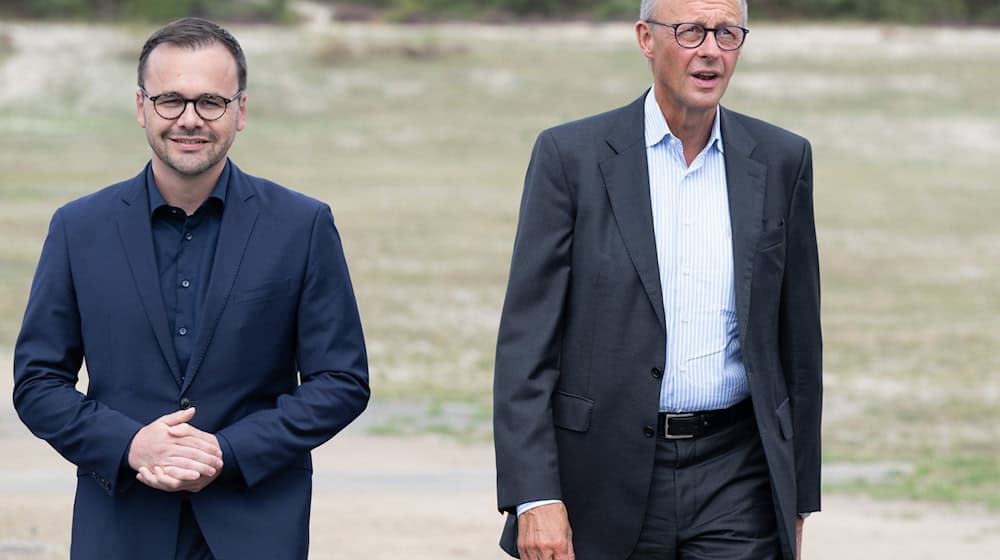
{"points": [[657, 373], [185, 403], [649, 431]]}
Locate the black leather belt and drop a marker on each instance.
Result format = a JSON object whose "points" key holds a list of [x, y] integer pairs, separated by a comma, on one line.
{"points": [[687, 425]]}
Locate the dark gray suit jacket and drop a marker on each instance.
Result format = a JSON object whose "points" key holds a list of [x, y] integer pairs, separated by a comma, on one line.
{"points": [[583, 325]]}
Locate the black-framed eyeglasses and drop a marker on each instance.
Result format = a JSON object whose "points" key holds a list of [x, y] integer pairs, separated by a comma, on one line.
{"points": [[209, 107], [692, 35]]}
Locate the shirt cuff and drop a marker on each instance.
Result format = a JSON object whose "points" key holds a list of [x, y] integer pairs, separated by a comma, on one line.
{"points": [[804, 515], [532, 505]]}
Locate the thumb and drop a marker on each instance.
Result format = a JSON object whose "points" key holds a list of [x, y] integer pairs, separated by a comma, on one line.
{"points": [[179, 417]]}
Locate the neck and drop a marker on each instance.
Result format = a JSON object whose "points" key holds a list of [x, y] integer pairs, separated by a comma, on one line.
{"points": [[692, 128], [186, 192]]}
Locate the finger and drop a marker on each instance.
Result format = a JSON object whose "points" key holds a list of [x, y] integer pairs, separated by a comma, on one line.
{"points": [[181, 474], [170, 483], [179, 417], [204, 440], [168, 456], [189, 465], [532, 551], [147, 477]]}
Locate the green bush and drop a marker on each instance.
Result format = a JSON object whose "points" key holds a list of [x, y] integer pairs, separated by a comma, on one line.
{"points": [[906, 11], [148, 10]]}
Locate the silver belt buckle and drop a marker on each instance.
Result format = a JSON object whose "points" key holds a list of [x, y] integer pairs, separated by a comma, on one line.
{"points": [[666, 425]]}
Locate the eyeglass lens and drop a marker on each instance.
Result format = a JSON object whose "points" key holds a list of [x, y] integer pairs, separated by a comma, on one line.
{"points": [[208, 107], [691, 35]]}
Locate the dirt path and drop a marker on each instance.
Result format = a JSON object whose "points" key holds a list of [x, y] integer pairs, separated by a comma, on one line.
{"points": [[381, 498]]}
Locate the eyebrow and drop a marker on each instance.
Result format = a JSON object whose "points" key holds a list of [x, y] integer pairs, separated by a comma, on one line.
{"points": [[202, 94]]}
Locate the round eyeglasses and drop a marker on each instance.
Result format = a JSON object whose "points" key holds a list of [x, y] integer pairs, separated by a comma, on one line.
{"points": [[209, 107], [692, 35]]}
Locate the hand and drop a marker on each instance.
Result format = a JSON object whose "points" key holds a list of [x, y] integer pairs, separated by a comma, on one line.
{"points": [[543, 533], [171, 455], [799, 522], [158, 478]]}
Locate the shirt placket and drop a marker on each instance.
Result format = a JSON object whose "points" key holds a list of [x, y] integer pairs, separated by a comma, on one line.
{"points": [[185, 289]]}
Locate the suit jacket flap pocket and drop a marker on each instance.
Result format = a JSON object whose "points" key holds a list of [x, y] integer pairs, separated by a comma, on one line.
{"points": [[784, 413], [267, 290], [571, 412], [773, 234]]}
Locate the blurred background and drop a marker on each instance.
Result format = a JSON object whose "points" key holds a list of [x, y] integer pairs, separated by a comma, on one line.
{"points": [[414, 119]]}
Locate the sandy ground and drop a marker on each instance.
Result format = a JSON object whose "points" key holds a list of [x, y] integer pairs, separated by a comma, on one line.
{"points": [[426, 497], [383, 498]]}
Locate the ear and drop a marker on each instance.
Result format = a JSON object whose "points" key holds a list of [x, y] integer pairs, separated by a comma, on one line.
{"points": [[644, 36], [139, 114], [241, 119]]}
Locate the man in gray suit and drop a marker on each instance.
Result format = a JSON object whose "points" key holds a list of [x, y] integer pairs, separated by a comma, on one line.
{"points": [[658, 375]]}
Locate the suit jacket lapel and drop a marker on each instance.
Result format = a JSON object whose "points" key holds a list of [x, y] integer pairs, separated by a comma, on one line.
{"points": [[238, 218], [136, 233], [746, 179], [627, 181]]}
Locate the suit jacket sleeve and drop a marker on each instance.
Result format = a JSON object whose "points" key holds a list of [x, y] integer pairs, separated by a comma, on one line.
{"points": [[527, 359], [801, 338], [47, 359], [332, 364]]}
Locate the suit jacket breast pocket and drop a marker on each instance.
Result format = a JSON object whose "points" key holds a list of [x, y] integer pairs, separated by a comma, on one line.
{"points": [[263, 292]]}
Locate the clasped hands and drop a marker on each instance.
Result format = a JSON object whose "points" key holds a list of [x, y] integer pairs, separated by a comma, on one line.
{"points": [[172, 455]]}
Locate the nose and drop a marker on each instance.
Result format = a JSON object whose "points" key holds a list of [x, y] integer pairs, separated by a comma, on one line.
{"points": [[710, 46], [189, 117]]}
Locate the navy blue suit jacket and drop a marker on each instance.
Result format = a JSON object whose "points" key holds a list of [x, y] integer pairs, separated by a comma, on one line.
{"points": [[278, 368]]}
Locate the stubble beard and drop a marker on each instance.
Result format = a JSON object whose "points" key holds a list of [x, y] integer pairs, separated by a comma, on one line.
{"points": [[190, 165]]}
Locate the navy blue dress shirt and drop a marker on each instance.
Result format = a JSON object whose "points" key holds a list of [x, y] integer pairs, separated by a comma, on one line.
{"points": [[185, 247]]}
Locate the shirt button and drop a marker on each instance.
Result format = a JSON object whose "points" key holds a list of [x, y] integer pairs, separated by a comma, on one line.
{"points": [[185, 403], [649, 431], [656, 372], [185, 284], [182, 331], [188, 236]]}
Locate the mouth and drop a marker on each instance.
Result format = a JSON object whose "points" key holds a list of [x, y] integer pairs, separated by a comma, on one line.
{"points": [[707, 77], [189, 143]]}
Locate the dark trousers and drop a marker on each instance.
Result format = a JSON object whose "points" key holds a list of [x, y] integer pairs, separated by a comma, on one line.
{"points": [[710, 499], [191, 543]]}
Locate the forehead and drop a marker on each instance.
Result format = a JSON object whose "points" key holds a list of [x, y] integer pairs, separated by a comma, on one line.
{"points": [[702, 11], [207, 69]]}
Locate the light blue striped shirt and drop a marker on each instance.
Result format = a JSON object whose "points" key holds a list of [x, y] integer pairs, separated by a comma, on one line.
{"points": [[704, 368]]}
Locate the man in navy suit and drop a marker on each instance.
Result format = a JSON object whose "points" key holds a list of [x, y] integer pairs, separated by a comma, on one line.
{"points": [[217, 318]]}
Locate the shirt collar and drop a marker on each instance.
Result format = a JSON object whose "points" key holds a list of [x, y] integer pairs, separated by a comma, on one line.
{"points": [[156, 199], [657, 128]]}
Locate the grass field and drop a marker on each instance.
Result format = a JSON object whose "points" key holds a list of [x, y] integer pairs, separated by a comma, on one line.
{"points": [[419, 136]]}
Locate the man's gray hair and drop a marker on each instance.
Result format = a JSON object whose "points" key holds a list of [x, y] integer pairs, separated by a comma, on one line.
{"points": [[647, 7]]}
